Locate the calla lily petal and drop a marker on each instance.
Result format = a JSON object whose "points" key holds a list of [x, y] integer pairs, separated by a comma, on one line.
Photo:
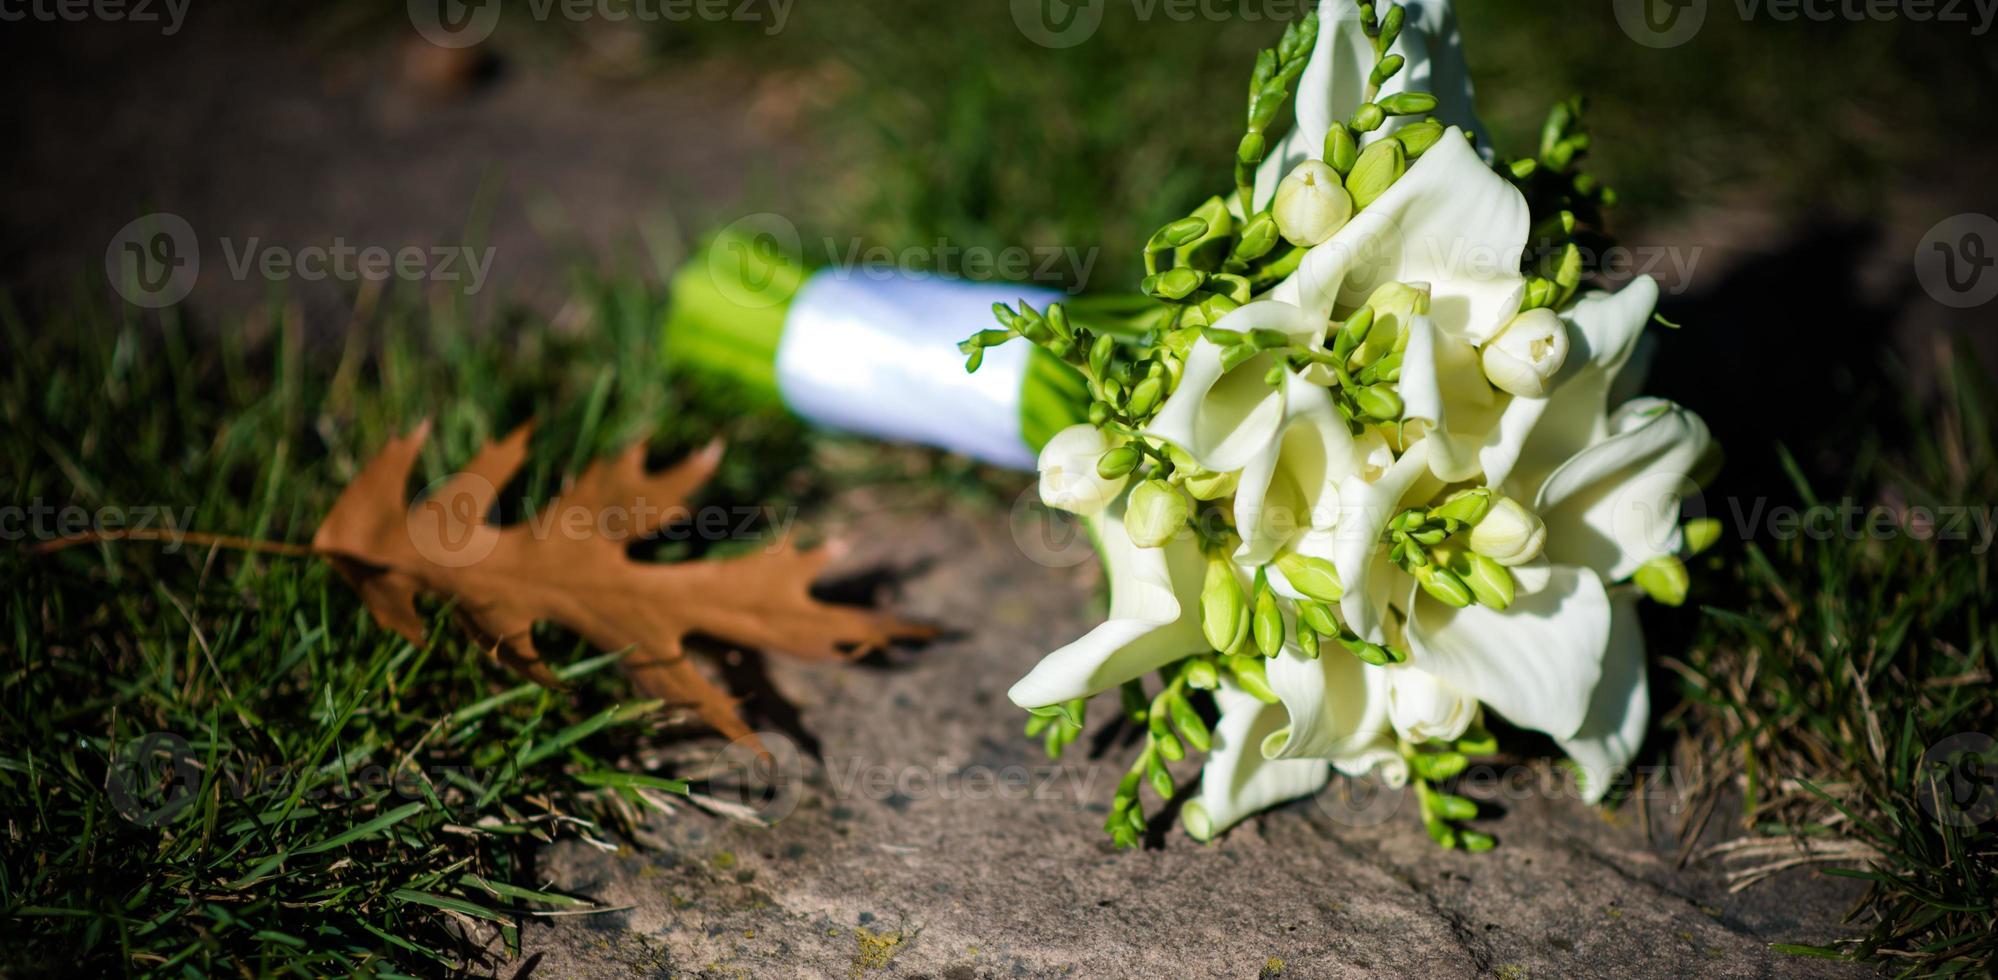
{"points": [[1337, 709], [1603, 334], [1450, 222], [1224, 418], [1423, 709], [1621, 709], [1292, 486], [1443, 386], [1537, 663], [1154, 619], [1364, 509], [1615, 505], [1335, 82], [1237, 780]]}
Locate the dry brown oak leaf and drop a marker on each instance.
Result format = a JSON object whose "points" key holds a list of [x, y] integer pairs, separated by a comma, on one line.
{"points": [[568, 565]]}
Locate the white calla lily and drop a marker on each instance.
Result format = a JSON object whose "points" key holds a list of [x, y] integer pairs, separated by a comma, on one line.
{"points": [[1537, 434], [1444, 389], [1620, 711], [1224, 418], [1615, 505], [1335, 708], [1237, 780], [1423, 709], [1154, 619], [1451, 222], [1292, 486], [1335, 81], [1537, 663]]}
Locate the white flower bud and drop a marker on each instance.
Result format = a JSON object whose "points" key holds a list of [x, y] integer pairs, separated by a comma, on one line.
{"points": [[1311, 204], [1510, 534], [1156, 512], [1422, 708], [1524, 358], [1069, 480]]}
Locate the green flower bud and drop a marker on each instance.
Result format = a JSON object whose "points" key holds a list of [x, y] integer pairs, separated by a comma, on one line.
{"points": [[1201, 676], [1701, 534], [1258, 237], [1311, 204], [1395, 306], [1170, 747], [1144, 397], [1158, 777], [1268, 623], [1250, 675], [1118, 463], [1466, 507], [1188, 722], [1224, 609], [1314, 577], [1408, 103], [1389, 67], [1183, 232], [1367, 119], [1509, 534], [1099, 354], [1417, 138], [1490, 581], [1664, 580], [1379, 166], [1251, 149], [1177, 284], [972, 363], [1380, 402], [1444, 585], [1317, 618], [1341, 149], [1156, 512], [1307, 644], [1208, 485]]}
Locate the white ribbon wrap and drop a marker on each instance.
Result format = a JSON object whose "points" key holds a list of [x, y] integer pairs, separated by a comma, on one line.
{"points": [[875, 352]]}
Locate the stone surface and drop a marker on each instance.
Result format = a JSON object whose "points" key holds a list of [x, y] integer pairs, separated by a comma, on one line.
{"points": [[931, 839]]}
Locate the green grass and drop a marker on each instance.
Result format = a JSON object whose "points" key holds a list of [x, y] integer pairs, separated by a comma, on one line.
{"points": [[933, 120], [357, 804], [1838, 683]]}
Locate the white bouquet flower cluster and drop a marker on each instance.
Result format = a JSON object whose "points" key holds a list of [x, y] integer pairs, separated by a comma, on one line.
{"points": [[1370, 464]]}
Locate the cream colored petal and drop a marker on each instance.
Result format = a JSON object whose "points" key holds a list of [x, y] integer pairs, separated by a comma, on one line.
{"points": [[1616, 504], [1237, 781], [1621, 709], [1537, 663], [1450, 222], [1154, 619]]}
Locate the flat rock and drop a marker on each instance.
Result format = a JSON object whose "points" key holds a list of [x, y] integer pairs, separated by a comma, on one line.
{"points": [[929, 838]]}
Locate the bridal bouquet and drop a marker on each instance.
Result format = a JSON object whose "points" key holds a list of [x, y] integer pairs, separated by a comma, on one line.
{"points": [[1367, 462]]}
